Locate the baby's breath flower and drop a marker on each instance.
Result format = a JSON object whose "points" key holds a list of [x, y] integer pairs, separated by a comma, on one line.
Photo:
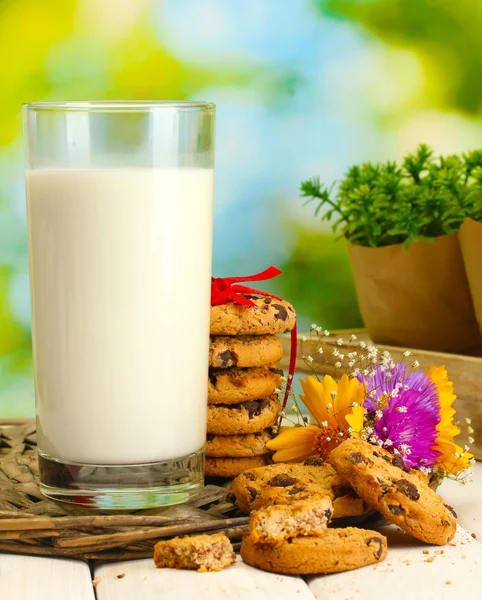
{"points": [[329, 406], [468, 420], [351, 364], [309, 358], [324, 424], [401, 409], [294, 408], [388, 442], [312, 326], [333, 394], [320, 350], [328, 439], [353, 404], [335, 352], [338, 365], [362, 345], [353, 337], [471, 440], [326, 333], [407, 353], [277, 391], [378, 415], [274, 429], [415, 364], [284, 379], [303, 338], [340, 341]]}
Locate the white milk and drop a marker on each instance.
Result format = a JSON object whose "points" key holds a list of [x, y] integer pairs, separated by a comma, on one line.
{"points": [[120, 265]]}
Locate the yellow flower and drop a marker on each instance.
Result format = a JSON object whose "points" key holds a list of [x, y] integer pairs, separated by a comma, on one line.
{"points": [[452, 458], [335, 407]]}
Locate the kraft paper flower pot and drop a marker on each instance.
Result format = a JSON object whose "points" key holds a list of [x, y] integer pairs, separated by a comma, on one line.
{"points": [[417, 298], [470, 237]]}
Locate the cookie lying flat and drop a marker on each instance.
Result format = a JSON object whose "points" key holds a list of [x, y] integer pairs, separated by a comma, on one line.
{"points": [[268, 316], [399, 495], [231, 467], [238, 446], [199, 552], [334, 551], [285, 483], [244, 351], [235, 385], [277, 523], [246, 417]]}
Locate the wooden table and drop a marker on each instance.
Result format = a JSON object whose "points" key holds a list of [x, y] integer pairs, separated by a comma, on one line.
{"points": [[411, 571]]}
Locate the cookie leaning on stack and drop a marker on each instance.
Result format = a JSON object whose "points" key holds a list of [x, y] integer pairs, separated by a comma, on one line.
{"points": [[243, 377]]}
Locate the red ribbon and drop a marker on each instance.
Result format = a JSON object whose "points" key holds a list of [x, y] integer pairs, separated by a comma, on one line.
{"points": [[226, 289]]}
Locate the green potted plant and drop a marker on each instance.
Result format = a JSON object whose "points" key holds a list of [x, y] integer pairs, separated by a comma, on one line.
{"points": [[401, 224], [470, 234]]}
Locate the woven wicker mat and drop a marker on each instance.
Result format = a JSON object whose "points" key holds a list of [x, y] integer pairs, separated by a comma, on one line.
{"points": [[31, 524]]}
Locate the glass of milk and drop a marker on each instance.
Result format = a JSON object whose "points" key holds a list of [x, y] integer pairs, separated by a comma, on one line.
{"points": [[120, 215]]}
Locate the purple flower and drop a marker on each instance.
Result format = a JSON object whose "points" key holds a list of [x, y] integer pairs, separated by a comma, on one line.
{"points": [[403, 413]]}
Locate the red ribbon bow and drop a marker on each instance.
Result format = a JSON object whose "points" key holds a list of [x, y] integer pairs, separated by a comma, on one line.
{"points": [[225, 289]]}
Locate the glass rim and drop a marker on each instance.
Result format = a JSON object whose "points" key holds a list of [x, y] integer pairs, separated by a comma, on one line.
{"points": [[115, 105]]}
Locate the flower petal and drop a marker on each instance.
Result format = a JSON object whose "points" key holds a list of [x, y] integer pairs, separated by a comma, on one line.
{"points": [[314, 399], [293, 436], [355, 420], [297, 454]]}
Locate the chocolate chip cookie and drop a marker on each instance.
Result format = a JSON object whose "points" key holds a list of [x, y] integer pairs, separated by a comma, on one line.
{"points": [[280, 522], [199, 552], [382, 480], [238, 446], [285, 483], [267, 316], [231, 467], [235, 385], [246, 417], [333, 551], [244, 351]]}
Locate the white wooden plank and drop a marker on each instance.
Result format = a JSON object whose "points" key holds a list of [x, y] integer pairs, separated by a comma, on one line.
{"points": [[142, 581], [27, 577], [441, 573], [467, 501]]}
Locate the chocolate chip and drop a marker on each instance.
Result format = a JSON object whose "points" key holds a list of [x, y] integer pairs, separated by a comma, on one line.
{"points": [[357, 457], [276, 370], [375, 541], [448, 507], [314, 461], [385, 488], [376, 454], [295, 490], [397, 461], [254, 407], [445, 523], [231, 498], [328, 513], [282, 480], [395, 509], [386, 458], [282, 313], [268, 300], [407, 489], [250, 476], [225, 358], [253, 491], [212, 378]]}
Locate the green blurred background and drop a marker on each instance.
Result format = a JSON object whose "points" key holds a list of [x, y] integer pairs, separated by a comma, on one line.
{"points": [[303, 87]]}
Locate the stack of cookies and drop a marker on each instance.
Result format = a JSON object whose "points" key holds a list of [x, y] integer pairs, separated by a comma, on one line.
{"points": [[243, 402]]}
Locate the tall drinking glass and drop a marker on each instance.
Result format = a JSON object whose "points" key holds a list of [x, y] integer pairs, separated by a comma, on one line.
{"points": [[120, 212]]}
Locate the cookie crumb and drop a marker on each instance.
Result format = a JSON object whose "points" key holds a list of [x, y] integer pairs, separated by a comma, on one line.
{"points": [[430, 559], [96, 581], [425, 552], [448, 583], [121, 576], [474, 535]]}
